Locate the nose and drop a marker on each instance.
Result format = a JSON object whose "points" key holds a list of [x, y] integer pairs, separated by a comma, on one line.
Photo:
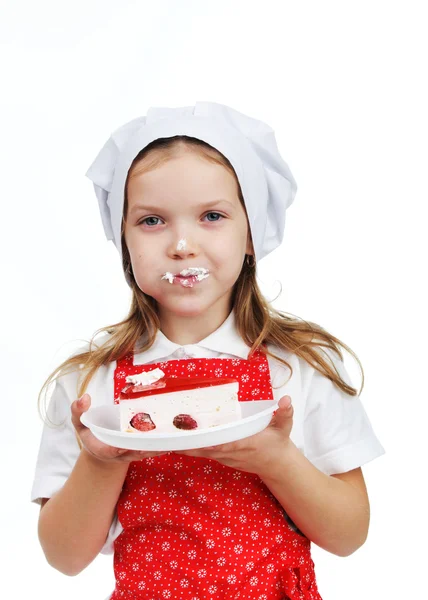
{"points": [[183, 246]]}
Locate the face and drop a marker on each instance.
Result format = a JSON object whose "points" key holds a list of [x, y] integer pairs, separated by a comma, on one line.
{"points": [[186, 214]]}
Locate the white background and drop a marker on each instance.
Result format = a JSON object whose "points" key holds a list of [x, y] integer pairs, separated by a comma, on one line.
{"points": [[344, 86]]}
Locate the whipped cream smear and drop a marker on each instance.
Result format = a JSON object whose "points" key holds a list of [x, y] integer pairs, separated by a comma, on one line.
{"points": [[188, 276], [146, 378]]}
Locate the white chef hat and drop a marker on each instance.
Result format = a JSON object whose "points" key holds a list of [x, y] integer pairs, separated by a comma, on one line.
{"points": [[267, 185]]}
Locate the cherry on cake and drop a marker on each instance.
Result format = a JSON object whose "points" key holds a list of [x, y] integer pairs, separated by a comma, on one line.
{"points": [[151, 402]]}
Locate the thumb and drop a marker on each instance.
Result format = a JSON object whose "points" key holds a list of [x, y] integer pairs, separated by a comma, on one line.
{"points": [[82, 405], [78, 407], [284, 412]]}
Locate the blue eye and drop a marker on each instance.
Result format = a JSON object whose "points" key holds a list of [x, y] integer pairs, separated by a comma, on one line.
{"points": [[218, 215], [151, 219]]}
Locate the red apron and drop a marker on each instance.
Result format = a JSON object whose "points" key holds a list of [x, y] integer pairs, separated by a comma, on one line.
{"points": [[194, 529]]}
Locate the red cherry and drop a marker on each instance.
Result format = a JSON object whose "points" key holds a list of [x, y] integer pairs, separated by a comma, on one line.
{"points": [[184, 422], [142, 422]]}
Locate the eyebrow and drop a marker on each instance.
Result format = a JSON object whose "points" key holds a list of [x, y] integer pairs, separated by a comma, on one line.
{"points": [[203, 205]]}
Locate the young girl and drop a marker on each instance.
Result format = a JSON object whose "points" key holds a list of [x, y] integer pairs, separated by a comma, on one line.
{"points": [[193, 198]]}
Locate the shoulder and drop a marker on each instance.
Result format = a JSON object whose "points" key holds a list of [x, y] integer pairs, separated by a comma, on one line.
{"points": [[288, 376], [83, 346], [312, 383], [69, 379], [333, 359], [282, 360]]}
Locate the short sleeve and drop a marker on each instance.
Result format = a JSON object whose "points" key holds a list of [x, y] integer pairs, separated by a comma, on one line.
{"points": [[338, 435], [59, 448]]}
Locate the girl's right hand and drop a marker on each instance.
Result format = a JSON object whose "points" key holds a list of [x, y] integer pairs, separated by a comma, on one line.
{"points": [[93, 445]]}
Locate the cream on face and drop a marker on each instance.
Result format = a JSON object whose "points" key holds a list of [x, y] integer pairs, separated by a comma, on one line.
{"points": [[187, 277], [181, 245]]}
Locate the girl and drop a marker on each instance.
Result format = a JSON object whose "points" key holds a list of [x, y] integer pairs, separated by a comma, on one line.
{"points": [[204, 188]]}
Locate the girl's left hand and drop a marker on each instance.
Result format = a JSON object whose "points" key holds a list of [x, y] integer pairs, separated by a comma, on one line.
{"points": [[258, 453]]}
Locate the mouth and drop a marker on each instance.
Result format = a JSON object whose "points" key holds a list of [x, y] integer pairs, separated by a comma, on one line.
{"points": [[187, 277]]}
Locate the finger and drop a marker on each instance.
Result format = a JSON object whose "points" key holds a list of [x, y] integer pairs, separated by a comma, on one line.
{"points": [[283, 413], [209, 452], [78, 407], [285, 402], [139, 454], [201, 453], [122, 455], [103, 451]]}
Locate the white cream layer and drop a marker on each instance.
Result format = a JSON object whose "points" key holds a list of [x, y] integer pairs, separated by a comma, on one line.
{"points": [[209, 406]]}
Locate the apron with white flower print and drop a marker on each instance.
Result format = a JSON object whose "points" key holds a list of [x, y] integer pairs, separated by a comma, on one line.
{"points": [[194, 529]]}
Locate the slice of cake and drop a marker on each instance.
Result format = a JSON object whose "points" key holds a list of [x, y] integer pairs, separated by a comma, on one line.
{"points": [[151, 402]]}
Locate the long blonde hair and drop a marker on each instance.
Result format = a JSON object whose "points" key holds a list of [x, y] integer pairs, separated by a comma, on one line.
{"points": [[257, 322]]}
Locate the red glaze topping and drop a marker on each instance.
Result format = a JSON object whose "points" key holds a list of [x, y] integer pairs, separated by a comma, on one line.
{"points": [[134, 388], [172, 384]]}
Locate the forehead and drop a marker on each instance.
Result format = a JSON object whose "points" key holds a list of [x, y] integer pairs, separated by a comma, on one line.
{"points": [[187, 176]]}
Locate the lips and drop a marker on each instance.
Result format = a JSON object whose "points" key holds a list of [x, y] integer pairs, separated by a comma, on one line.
{"points": [[187, 277], [186, 281]]}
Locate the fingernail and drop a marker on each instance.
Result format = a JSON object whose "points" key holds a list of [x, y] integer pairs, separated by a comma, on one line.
{"points": [[287, 401]]}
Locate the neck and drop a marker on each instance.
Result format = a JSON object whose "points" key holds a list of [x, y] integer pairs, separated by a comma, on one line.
{"points": [[190, 330]]}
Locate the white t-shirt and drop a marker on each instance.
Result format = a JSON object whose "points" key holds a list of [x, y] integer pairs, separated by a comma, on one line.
{"points": [[330, 427]]}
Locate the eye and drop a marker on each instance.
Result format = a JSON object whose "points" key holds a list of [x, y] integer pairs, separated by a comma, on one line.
{"points": [[150, 221], [217, 216]]}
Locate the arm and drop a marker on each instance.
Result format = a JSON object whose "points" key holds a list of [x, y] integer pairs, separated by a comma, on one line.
{"points": [[332, 511], [74, 523]]}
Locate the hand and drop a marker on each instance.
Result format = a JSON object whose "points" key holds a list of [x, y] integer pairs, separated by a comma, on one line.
{"points": [[259, 453], [93, 445]]}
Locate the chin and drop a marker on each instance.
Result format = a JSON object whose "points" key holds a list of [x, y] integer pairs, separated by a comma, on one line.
{"points": [[188, 310], [188, 307]]}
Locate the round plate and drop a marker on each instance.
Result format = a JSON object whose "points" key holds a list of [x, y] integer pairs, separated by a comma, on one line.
{"points": [[104, 421]]}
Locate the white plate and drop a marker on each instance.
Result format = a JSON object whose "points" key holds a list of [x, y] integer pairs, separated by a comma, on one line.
{"points": [[103, 421]]}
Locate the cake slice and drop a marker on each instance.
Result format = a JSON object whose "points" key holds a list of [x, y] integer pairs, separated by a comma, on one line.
{"points": [[151, 402]]}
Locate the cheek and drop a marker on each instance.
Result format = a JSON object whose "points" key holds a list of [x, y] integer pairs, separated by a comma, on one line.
{"points": [[145, 264], [141, 250], [229, 240], [238, 244], [146, 274], [229, 255]]}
